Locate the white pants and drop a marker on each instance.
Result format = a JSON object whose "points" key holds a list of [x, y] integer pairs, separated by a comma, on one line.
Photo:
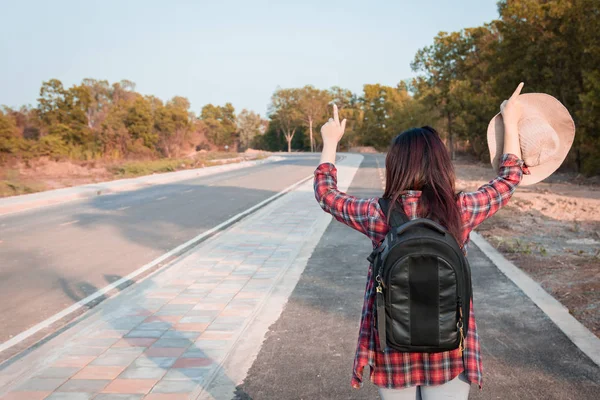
{"points": [[456, 389]]}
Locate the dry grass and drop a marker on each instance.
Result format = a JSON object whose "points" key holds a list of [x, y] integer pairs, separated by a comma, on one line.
{"points": [[43, 175], [12, 184]]}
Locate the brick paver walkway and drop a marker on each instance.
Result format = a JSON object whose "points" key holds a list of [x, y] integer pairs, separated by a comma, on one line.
{"points": [[166, 338]]}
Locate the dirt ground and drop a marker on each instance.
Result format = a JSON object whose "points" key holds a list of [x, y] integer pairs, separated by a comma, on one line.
{"points": [[551, 230]]}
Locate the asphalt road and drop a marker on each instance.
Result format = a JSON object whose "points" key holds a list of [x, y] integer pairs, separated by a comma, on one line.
{"points": [[52, 257], [308, 353]]}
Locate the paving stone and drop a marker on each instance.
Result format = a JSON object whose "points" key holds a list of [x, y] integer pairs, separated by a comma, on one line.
{"points": [[210, 344], [196, 293], [154, 326], [58, 372], [74, 361], [113, 359], [197, 375], [229, 320], [191, 327], [140, 312], [175, 386], [171, 312], [172, 343], [86, 351], [186, 299], [216, 354], [193, 362], [70, 396], [126, 323], [97, 342], [227, 327], [163, 318], [143, 373], [164, 351], [210, 306], [173, 334], [99, 372], [207, 313], [145, 334], [134, 386], [176, 307], [233, 312], [215, 335], [154, 362], [195, 319], [108, 333], [41, 384], [169, 396], [84, 385], [121, 396], [134, 342], [25, 396]]}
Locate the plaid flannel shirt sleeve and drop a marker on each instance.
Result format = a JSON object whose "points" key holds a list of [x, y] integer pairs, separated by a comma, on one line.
{"points": [[347, 209], [488, 199]]}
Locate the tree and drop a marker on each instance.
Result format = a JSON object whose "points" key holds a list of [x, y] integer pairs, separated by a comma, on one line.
{"points": [[249, 126], [172, 125], [350, 109], [380, 105], [442, 64], [313, 105], [9, 140], [285, 109], [220, 123], [99, 101], [139, 122], [63, 112]]}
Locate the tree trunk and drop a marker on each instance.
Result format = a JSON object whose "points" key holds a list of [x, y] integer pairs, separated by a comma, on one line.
{"points": [[289, 136], [310, 123], [451, 138]]}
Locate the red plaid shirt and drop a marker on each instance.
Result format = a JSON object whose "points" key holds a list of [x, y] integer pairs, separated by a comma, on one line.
{"points": [[395, 369]]}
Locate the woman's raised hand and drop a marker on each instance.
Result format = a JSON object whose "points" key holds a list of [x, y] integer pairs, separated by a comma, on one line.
{"points": [[511, 109], [333, 130], [511, 114]]}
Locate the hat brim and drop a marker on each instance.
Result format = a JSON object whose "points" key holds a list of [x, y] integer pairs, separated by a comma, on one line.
{"points": [[555, 114]]}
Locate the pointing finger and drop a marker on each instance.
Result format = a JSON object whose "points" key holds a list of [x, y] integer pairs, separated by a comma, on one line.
{"points": [[336, 117], [517, 90]]}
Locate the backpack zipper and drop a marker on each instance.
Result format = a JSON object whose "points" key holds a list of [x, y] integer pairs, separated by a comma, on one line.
{"points": [[459, 325]]}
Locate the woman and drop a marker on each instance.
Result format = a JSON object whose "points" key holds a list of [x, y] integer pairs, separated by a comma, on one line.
{"points": [[420, 179]]}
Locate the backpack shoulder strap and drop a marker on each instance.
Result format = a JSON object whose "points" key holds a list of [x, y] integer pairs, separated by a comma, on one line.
{"points": [[398, 216]]}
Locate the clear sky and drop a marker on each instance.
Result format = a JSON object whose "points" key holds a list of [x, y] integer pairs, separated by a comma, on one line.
{"points": [[220, 50]]}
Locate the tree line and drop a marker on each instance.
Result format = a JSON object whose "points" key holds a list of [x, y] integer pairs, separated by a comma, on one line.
{"points": [[99, 120], [462, 77]]}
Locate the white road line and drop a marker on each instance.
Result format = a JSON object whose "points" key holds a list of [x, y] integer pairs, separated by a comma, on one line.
{"points": [[57, 317], [123, 208], [161, 198], [187, 191], [69, 223], [381, 173]]}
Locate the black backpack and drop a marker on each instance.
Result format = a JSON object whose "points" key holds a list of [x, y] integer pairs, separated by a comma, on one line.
{"points": [[423, 285]]}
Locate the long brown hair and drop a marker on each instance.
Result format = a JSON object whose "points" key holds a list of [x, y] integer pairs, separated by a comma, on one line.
{"points": [[418, 160]]}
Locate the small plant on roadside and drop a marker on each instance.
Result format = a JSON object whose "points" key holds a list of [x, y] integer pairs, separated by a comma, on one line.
{"points": [[576, 228]]}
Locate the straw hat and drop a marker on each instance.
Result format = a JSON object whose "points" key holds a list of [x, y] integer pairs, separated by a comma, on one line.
{"points": [[546, 133]]}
